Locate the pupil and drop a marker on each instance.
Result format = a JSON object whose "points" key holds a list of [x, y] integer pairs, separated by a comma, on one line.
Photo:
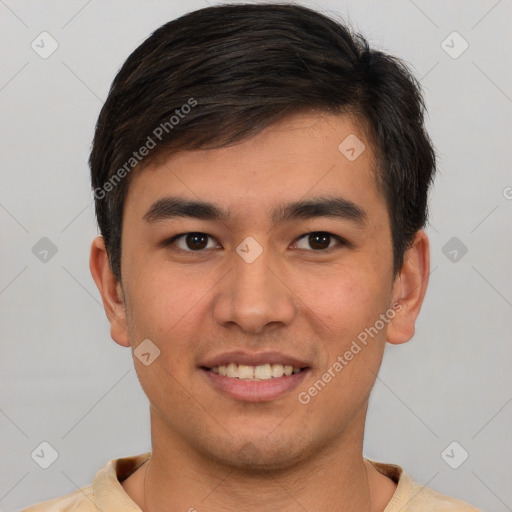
{"points": [[319, 240], [196, 241]]}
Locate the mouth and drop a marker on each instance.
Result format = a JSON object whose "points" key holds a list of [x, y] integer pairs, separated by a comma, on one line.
{"points": [[255, 373], [254, 378]]}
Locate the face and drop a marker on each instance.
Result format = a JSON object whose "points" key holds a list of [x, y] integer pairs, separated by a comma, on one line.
{"points": [[284, 268]]}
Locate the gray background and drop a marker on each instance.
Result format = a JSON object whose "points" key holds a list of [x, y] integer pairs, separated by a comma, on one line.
{"points": [[64, 381]]}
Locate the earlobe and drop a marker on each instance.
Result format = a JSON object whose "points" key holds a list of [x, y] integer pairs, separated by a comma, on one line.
{"points": [[409, 290], [110, 290]]}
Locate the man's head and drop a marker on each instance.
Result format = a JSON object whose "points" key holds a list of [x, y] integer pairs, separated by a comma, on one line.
{"points": [[277, 221], [222, 74]]}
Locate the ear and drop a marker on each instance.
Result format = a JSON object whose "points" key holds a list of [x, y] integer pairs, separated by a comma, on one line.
{"points": [[110, 290], [409, 290]]}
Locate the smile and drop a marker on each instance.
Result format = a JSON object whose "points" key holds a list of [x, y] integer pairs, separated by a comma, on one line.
{"points": [[242, 384], [255, 373]]}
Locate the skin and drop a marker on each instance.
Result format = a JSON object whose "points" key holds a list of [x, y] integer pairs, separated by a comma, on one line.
{"points": [[278, 454]]}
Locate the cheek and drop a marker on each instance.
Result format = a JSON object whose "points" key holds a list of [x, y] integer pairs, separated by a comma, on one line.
{"points": [[162, 302], [353, 353], [349, 308], [163, 308], [345, 299]]}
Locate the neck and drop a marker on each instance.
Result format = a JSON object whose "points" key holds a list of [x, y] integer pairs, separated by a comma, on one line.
{"points": [[344, 486], [337, 476]]}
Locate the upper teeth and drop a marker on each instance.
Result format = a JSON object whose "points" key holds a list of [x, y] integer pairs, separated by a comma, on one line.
{"points": [[260, 372]]}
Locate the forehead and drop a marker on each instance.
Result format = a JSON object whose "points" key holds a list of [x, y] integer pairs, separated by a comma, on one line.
{"points": [[300, 156]]}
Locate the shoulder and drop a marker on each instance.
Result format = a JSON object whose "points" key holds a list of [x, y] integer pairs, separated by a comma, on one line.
{"points": [[411, 496], [424, 498], [79, 501], [105, 494]]}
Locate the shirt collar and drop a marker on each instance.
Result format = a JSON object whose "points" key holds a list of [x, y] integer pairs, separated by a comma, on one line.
{"points": [[111, 497]]}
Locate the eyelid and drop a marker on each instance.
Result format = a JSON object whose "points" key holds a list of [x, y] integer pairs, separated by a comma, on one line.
{"points": [[342, 242], [173, 239]]}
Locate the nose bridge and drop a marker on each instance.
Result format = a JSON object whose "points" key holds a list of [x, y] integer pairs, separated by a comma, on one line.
{"points": [[254, 296]]}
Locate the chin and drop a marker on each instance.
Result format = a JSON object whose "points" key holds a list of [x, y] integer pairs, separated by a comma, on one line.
{"points": [[259, 455]]}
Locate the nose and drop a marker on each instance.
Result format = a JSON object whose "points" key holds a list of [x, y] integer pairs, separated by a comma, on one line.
{"points": [[255, 296]]}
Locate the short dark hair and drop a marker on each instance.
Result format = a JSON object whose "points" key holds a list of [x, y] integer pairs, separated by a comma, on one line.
{"points": [[220, 75]]}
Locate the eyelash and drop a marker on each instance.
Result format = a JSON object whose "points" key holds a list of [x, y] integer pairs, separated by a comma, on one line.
{"points": [[341, 241]]}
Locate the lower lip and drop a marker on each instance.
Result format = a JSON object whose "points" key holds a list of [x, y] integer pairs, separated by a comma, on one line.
{"points": [[254, 390]]}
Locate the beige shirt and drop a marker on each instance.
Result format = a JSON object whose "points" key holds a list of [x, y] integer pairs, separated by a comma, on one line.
{"points": [[106, 494]]}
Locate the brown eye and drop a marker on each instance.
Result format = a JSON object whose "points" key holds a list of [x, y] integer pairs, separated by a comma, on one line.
{"points": [[319, 241], [193, 242], [196, 241]]}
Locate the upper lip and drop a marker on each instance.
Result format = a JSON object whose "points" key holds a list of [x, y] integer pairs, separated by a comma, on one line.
{"points": [[253, 359]]}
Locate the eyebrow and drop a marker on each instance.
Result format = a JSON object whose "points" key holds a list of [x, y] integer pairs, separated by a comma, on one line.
{"points": [[323, 206]]}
